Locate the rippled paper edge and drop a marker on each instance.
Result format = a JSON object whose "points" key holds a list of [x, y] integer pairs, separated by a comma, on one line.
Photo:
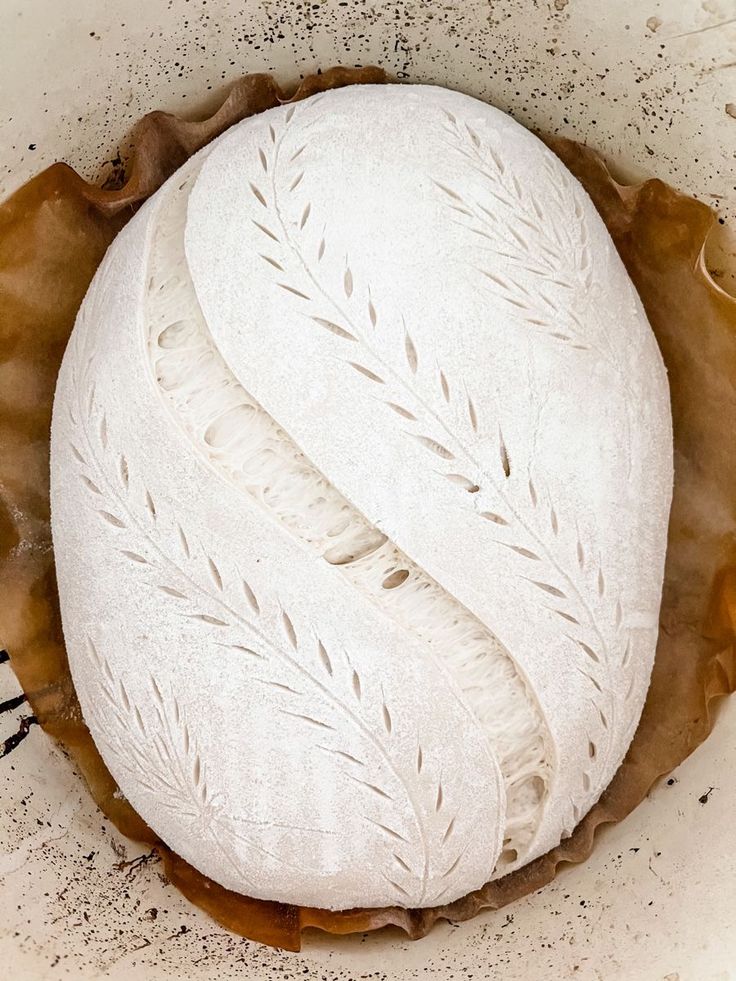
{"points": [[53, 234]]}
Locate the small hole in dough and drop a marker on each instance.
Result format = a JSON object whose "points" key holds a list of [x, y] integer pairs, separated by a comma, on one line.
{"points": [[395, 579]]}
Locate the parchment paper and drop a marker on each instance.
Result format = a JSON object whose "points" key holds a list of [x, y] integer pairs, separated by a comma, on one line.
{"points": [[54, 232]]}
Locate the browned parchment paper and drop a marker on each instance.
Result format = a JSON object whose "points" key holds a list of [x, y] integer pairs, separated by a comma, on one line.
{"points": [[53, 234]]}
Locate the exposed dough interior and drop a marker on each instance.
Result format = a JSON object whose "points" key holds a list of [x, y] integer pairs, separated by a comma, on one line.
{"points": [[247, 446]]}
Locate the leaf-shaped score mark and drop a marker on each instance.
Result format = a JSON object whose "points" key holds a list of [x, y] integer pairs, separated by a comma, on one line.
{"points": [[586, 648], [183, 541], [439, 800], [250, 597], [134, 556], [111, 519], [324, 657], [357, 688], [464, 482], [495, 518], [433, 446], [171, 591], [523, 552], [272, 262], [580, 551], [503, 453], [372, 313], [472, 415], [548, 588], [289, 630], [258, 195], [448, 831], [372, 787], [334, 328], [387, 721], [567, 616], [400, 410], [215, 574], [294, 291], [533, 498], [411, 353], [77, 455], [208, 618], [590, 678], [90, 484], [366, 372], [266, 231], [448, 191]]}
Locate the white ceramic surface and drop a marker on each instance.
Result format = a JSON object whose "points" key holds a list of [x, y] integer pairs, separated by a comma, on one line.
{"points": [[655, 901]]}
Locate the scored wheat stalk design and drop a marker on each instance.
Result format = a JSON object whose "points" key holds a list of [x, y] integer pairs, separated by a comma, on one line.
{"points": [[352, 316], [166, 762], [556, 254], [204, 594]]}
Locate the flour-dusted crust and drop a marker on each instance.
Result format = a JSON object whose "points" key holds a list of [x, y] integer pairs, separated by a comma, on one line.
{"points": [[361, 469]]}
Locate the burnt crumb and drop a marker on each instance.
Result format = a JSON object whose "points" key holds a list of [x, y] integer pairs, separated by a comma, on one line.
{"points": [[135, 864], [14, 741], [117, 176], [704, 798], [672, 781]]}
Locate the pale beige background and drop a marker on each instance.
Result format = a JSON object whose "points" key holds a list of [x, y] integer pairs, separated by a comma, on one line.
{"points": [[653, 86]]}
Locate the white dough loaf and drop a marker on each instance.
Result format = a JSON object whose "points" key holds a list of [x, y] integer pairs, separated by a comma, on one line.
{"points": [[361, 472]]}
